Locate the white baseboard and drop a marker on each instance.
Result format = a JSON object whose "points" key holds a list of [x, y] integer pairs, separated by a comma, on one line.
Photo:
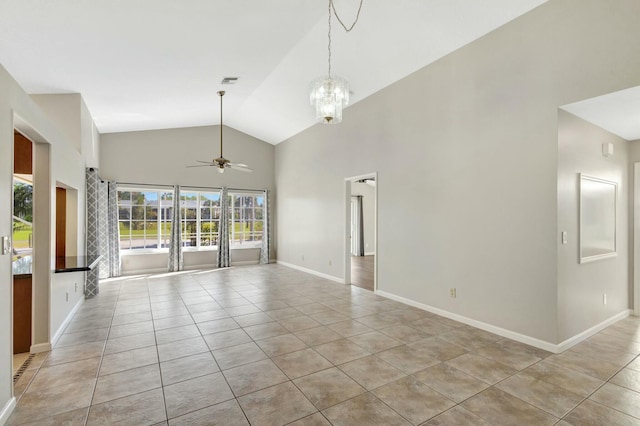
{"points": [[245, 262], [311, 271], [532, 341], [572, 341], [198, 267], [369, 253], [7, 410], [40, 347], [143, 272], [65, 323]]}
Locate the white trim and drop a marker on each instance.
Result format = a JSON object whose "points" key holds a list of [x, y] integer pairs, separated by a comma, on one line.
{"points": [[40, 347], [7, 410], [310, 271], [369, 253], [143, 272], [635, 234], [572, 341], [532, 341], [66, 322], [198, 267], [245, 262]]}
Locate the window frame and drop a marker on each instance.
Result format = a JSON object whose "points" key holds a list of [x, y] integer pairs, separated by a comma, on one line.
{"points": [[198, 246], [159, 222], [247, 244]]}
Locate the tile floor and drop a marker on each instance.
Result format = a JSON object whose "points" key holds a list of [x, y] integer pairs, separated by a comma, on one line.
{"points": [[267, 345]]}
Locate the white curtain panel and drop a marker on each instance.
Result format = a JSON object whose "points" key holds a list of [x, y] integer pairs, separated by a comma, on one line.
{"points": [[113, 231], [357, 217], [223, 260], [93, 241], [360, 227], [175, 242], [266, 233]]}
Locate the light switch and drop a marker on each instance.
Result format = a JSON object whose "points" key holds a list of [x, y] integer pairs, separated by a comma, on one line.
{"points": [[564, 237]]}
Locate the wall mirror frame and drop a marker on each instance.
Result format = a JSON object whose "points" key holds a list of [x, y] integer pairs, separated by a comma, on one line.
{"points": [[598, 209]]}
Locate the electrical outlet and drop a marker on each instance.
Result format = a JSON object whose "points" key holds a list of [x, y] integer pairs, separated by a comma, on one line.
{"points": [[76, 287], [604, 299], [452, 293], [67, 296]]}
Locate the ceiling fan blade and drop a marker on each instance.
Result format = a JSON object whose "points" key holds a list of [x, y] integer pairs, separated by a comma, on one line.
{"points": [[239, 167], [207, 162], [202, 165]]}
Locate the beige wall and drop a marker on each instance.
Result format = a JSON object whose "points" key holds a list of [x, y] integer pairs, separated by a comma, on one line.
{"points": [[581, 287], [56, 159], [161, 157], [466, 147]]}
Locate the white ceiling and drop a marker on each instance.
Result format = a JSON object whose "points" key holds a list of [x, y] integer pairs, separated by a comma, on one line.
{"points": [[153, 64], [618, 112]]}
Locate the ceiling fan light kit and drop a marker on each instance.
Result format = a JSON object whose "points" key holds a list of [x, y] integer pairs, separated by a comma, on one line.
{"points": [[222, 163], [330, 93]]}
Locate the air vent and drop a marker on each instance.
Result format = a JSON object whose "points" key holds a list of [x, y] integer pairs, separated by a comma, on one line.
{"points": [[229, 80]]}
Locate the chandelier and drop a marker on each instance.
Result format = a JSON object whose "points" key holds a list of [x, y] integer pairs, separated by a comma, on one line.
{"points": [[330, 93]]}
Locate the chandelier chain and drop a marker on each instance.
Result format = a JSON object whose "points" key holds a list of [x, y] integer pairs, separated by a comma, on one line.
{"points": [[333, 6], [329, 47]]}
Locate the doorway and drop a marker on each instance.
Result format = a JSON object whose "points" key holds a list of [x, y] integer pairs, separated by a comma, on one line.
{"points": [[22, 248], [361, 231]]}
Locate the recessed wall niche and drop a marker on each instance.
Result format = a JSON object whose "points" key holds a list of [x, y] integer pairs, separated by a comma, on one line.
{"points": [[66, 220]]}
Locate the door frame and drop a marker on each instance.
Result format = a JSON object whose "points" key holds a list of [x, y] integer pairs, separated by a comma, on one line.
{"points": [[636, 238], [347, 227]]}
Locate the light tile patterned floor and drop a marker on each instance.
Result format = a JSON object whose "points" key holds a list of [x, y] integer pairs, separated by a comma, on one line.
{"points": [[268, 345]]}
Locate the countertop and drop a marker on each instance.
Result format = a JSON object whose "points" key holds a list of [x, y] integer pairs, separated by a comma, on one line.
{"points": [[76, 263]]}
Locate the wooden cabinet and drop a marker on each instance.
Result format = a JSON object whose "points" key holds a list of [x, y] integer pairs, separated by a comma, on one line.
{"points": [[21, 313]]}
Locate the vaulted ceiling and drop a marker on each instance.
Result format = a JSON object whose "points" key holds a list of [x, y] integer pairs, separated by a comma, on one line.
{"points": [[153, 64]]}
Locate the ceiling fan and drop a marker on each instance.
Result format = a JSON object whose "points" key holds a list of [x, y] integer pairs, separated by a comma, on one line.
{"points": [[222, 163]]}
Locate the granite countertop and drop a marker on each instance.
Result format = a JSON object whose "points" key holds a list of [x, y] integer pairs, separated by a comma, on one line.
{"points": [[76, 263], [22, 265]]}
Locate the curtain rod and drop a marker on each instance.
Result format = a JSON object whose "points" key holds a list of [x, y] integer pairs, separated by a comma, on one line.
{"points": [[188, 186]]}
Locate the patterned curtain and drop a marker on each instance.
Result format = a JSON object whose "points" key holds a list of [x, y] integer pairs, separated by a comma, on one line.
{"points": [[93, 238], [175, 242], [266, 233], [113, 231], [103, 235], [223, 231]]}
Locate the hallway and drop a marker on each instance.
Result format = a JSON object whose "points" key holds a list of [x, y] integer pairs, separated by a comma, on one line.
{"points": [[362, 271], [268, 345]]}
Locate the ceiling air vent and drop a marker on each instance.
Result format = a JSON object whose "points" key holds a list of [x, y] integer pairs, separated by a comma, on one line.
{"points": [[229, 80]]}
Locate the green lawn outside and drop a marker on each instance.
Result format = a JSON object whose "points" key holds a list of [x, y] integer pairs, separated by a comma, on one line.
{"points": [[21, 238], [124, 231]]}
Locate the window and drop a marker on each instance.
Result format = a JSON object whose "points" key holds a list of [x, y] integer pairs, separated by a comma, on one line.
{"points": [[144, 217], [200, 219], [22, 216], [247, 219]]}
